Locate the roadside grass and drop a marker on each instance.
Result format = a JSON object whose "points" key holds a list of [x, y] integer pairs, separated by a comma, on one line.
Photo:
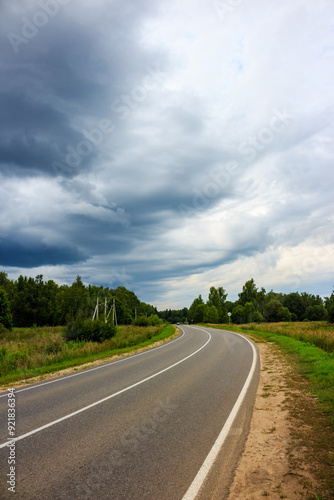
{"points": [[318, 333], [302, 341], [30, 352], [312, 362], [311, 386]]}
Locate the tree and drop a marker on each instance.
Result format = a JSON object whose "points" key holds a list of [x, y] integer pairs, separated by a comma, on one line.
{"points": [[246, 314], [251, 314], [294, 302], [217, 298], [5, 315], [24, 302], [75, 301], [6, 284], [329, 303], [130, 304], [35, 302], [238, 315], [196, 310], [261, 299], [316, 313], [211, 314], [214, 299], [249, 293], [274, 311]]}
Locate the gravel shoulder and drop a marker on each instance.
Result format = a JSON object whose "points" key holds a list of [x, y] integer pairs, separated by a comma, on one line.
{"points": [[273, 463]]}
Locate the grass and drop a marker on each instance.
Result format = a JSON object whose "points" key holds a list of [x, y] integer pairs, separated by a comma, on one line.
{"points": [[29, 352], [308, 347], [310, 344], [318, 333], [314, 363]]}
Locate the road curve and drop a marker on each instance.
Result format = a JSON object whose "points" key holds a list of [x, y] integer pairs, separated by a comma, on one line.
{"points": [[168, 423]]}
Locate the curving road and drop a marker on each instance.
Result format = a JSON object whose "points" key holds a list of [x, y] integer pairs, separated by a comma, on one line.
{"points": [[168, 423]]}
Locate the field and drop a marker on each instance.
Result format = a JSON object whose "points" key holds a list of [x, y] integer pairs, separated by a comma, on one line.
{"points": [[318, 333], [28, 352]]}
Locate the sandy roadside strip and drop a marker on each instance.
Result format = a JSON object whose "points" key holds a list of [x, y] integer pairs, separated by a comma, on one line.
{"points": [[267, 467]]}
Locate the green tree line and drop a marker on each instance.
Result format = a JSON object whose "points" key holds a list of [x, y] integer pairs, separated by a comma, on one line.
{"points": [[257, 305], [30, 301]]}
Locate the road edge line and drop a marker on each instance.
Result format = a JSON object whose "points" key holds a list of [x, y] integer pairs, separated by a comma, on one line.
{"points": [[203, 472]]}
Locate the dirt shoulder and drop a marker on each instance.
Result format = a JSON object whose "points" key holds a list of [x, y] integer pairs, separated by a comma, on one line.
{"points": [[274, 462]]}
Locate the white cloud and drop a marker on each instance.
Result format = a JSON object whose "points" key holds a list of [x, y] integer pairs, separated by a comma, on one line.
{"points": [[187, 89]]}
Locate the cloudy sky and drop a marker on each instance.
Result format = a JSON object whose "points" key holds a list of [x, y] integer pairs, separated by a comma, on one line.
{"points": [[168, 145]]}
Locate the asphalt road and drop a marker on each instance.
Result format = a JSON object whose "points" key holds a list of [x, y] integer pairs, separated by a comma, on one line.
{"points": [[169, 424]]}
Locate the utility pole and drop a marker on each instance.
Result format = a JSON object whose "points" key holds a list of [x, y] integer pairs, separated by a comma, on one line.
{"points": [[114, 318], [96, 312]]}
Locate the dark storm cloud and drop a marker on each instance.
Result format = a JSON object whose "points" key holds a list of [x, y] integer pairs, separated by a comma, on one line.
{"points": [[70, 71], [29, 254], [166, 147], [32, 134]]}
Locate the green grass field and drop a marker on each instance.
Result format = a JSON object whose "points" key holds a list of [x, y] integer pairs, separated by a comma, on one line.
{"points": [[310, 345], [29, 352]]}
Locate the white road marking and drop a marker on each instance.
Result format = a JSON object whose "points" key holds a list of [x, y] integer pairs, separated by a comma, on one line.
{"points": [[202, 474], [82, 372], [50, 424]]}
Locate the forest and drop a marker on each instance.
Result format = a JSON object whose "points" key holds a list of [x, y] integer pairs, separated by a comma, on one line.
{"points": [[28, 302], [257, 305]]}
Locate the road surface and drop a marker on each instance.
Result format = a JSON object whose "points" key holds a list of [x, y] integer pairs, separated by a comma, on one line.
{"points": [[164, 424]]}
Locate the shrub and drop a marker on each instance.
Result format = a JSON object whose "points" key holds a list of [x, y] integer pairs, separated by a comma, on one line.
{"points": [[89, 331], [141, 320], [154, 320]]}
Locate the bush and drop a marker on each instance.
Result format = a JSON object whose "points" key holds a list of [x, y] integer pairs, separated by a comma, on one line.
{"points": [[154, 320], [141, 320], [89, 331]]}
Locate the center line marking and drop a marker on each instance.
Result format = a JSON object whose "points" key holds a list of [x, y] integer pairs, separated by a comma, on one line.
{"points": [[50, 424], [61, 378]]}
